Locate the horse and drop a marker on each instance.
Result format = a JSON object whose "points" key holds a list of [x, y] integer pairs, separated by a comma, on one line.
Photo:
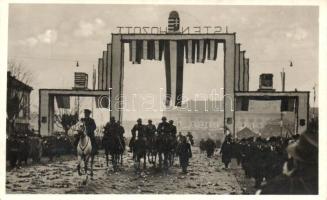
{"points": [[115, 146], [164, 149], [84, 150], [152, 150], [140, 151]]}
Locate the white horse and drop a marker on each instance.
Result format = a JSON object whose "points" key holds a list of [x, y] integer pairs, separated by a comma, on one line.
{"points": [[84, 149]]}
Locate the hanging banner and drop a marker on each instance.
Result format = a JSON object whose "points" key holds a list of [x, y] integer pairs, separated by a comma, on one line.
{"points": [[133, 51], [63, 102], [145, 49], [156, 49], [201, 51]]}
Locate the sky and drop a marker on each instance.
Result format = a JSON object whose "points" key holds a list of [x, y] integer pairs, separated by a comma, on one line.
{"points": [[49, 39]]}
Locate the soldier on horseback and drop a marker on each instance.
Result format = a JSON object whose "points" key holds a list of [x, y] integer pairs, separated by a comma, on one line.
{"points": [[151, 141], [140, 129], [112, 141], [164, 143], [150, 130], [90, 127], [163, 127], [121, 132]]}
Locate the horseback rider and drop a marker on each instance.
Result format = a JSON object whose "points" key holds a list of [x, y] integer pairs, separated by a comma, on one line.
{"points": [[141, 132], [121, 130], [173, 129], [190, 137], [112, 128], [90, 127], [179, 137], [150, 130], [163, 127]]}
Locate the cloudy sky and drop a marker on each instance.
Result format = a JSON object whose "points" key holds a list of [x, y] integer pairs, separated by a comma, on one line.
{"points": [[49, 39]]}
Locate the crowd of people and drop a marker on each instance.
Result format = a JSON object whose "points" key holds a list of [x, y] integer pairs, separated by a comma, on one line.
{"points": [[279, 165], [285, 165]]}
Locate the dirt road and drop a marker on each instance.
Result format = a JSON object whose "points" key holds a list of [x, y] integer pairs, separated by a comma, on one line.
{"points": [[205, 176]]}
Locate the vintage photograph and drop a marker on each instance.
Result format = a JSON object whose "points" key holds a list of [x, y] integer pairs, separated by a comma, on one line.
{"points": [[162, 99]]}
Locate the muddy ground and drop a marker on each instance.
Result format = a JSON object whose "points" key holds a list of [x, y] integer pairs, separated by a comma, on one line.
{"points": [[205, 176]]}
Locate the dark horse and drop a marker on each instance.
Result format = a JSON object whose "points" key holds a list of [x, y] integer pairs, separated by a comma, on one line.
{"points": [[164, 149], [152, 150], [114, 146], [139, 152]]}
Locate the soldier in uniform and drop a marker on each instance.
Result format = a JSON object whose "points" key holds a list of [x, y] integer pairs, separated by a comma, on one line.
{"points": [[179, 136], [140, 129], [90, 127], [190, 137], [209, 147], [163, 127], [150, 130], [226, 150], [121, 132], [185, 153], [173, 129]]}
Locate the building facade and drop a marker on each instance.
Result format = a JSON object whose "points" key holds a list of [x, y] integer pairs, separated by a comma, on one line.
{"points": [[18, 104]]}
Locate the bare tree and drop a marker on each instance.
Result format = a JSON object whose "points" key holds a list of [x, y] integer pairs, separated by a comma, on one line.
{"points": [[66, 119], [21, 73], [15, 97]]}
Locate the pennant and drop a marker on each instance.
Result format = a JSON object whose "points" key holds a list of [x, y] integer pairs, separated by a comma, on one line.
{"points": [[161, 48], [201, 51], [215, 51], [211, 49], [151, 49], [139, 51], [156, 49], [133, 51], [189, 52], [145, 49]]}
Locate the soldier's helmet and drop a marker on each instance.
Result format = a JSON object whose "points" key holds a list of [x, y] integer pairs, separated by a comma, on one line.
{"points": [[171, 121], [164, 118], [150, 121], [139, 120], [87, 111], [112, 119]]}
